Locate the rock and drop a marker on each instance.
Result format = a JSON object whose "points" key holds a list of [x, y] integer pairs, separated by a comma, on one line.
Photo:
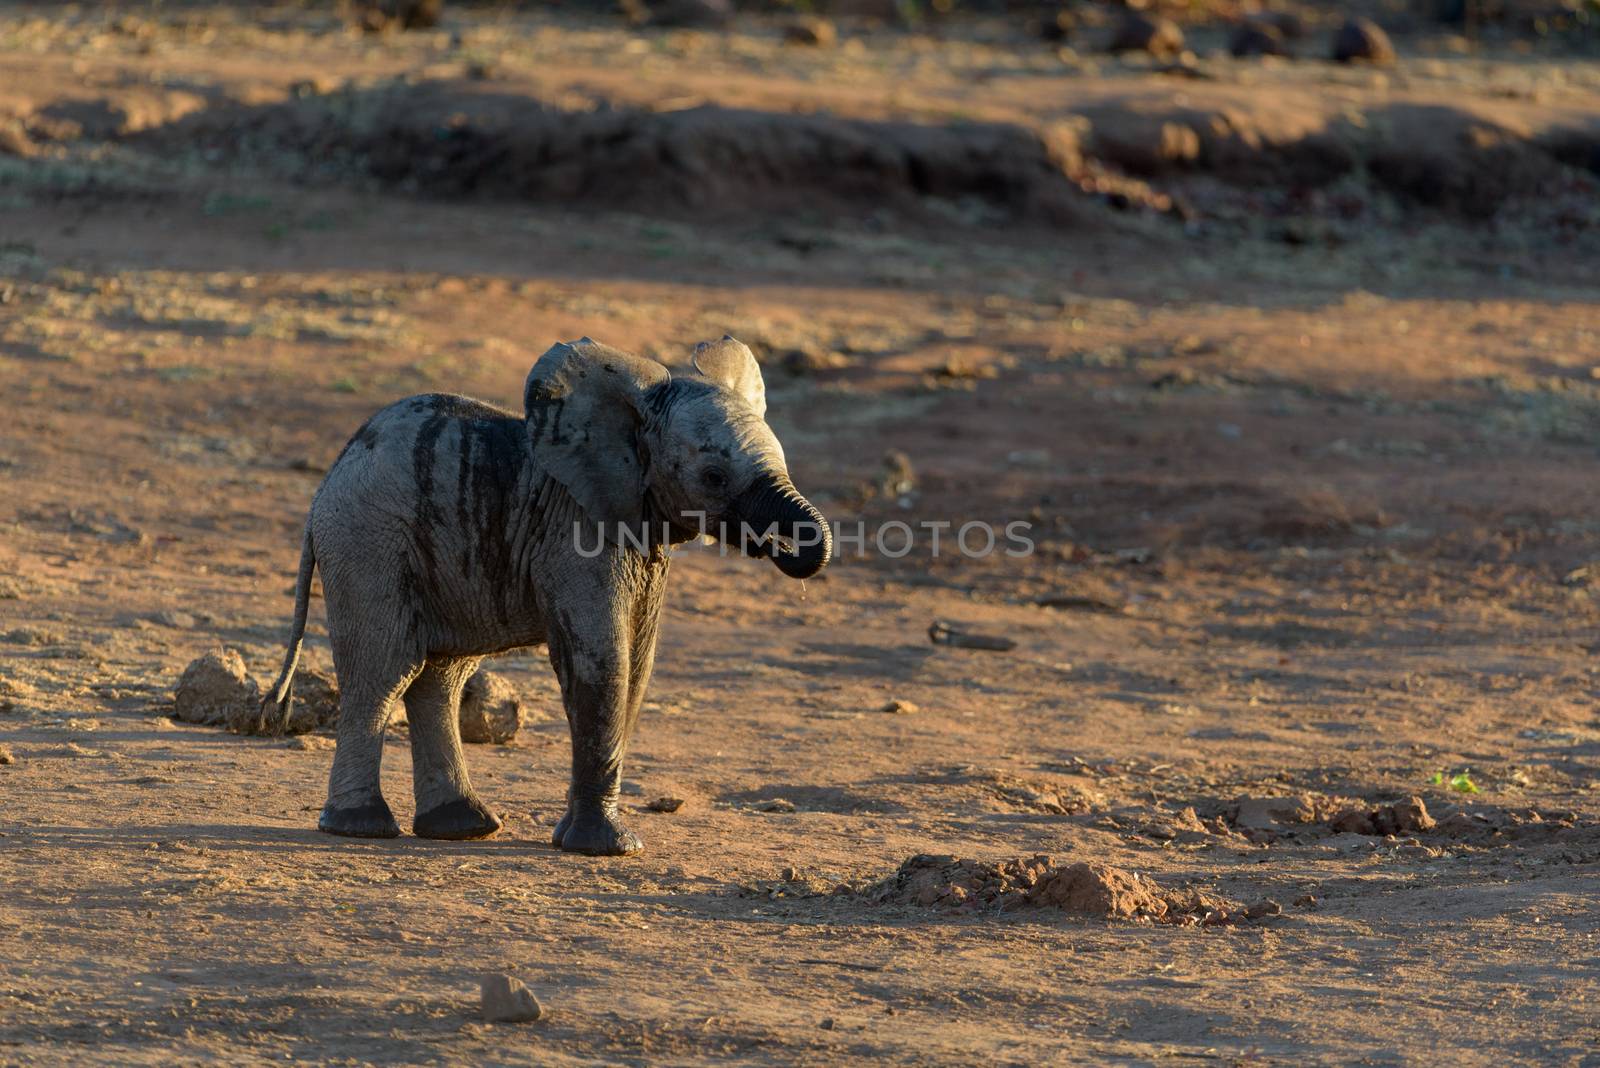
{"points": [[375, 16], [1361, 40], [175, 620], [1059, 27], [504, 999], [1306, 901], [491, 710], [665, 804], [215, 690], [1255, 37], [1263, 908], [811, 32], [777, 804], [7, 756], [898, 707], [692, 14], [899, 476], [1403, 817], [1146, 33]]}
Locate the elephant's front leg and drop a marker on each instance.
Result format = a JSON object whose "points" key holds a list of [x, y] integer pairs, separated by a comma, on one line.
{"points": [[592, 664], [447, 807]]}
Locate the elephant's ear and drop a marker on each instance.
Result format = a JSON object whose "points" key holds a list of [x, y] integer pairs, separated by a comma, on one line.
{"points": [[584, 403], [732, 365]]}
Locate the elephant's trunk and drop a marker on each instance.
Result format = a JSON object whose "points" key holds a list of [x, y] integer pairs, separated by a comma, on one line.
{"points": [[776, 521]]}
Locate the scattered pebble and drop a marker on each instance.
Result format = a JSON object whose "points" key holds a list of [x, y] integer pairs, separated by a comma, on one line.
{"points": [[899, 707], [505, 999], [665, 804], [6, 756], [777, 804]]}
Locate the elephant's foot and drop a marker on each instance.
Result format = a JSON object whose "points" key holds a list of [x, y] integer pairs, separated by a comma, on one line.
{"points": [[596, 832], [460, 820], [371, 820]]}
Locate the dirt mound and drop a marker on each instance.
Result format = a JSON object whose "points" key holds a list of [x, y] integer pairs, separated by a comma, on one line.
{"points": [[457, 138], [215, 690], [1084, 888], [1430, 156], [491, 709], [1404, 817]]}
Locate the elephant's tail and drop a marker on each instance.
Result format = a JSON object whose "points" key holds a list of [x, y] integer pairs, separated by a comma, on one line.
{"points": [[279, 701]]}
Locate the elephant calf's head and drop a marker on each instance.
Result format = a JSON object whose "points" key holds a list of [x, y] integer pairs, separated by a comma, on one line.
{"points": [[618, 431]]}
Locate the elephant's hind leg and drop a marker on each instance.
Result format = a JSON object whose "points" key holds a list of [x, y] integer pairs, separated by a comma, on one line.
{"points": [[372, 680], [446, 806]]}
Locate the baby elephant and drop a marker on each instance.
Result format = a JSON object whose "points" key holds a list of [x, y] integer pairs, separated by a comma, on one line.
{"points": [[449, 530]]}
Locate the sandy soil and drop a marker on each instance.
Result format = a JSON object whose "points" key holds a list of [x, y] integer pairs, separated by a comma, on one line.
{"points": [[1316, 533]]}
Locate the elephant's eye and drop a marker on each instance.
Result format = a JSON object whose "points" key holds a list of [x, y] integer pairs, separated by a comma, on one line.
{"points": [[714, 478]]}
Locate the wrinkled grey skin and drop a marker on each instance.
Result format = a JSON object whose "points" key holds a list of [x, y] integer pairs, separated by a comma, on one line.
{"points": [[445, 533]]}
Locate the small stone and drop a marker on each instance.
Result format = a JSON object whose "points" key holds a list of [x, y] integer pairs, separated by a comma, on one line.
{"points": [[1263, 908], [6, 756], [899, 707], [777, 804], [791, 874], [1159, 37], [665, 804], [1362, 40], [175, 620], [505, 999], [215, 690], [811, 32], [827, 1023], [1306, 901], [491, 710]]}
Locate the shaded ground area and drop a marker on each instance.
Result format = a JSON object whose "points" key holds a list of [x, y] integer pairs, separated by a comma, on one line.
{"points": [[1311, 489]]}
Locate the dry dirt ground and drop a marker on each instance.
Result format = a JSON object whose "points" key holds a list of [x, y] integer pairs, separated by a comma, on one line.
{"points": [[1314, 491]]}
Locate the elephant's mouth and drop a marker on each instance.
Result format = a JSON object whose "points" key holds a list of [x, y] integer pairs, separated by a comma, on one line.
{"points": [[772, 520]]}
